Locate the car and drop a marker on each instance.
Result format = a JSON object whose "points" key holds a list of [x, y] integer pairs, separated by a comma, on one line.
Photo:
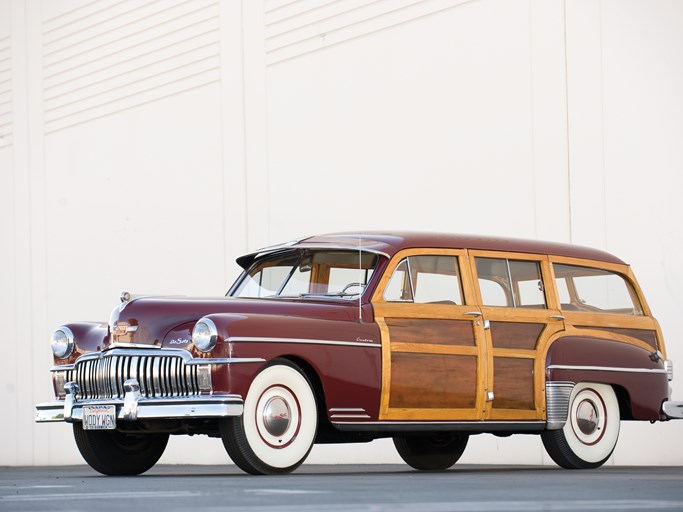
{"points": [[425, 338]]}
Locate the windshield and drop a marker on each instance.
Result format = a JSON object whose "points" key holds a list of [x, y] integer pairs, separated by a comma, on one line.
{"points": [[343, 274]]}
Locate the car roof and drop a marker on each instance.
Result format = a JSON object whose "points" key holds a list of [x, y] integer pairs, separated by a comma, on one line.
{"points": [[389, 243]]}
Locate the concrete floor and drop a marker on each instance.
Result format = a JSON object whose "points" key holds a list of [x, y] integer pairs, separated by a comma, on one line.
{"points": [[471, 488]]}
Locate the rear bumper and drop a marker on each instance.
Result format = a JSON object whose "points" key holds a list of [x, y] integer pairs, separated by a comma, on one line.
{"points": [[134, 407], [673, 410]]}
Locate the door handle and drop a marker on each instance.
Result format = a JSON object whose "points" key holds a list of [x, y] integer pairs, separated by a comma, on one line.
{"points": [[472, 313], [557, 317]]}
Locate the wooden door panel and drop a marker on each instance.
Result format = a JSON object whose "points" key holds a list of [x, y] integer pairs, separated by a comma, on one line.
{"points": [[513, 383], [433, 381], [515, 335], [432, 331]]}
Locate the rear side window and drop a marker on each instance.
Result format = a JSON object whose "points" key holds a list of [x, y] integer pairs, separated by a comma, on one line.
{"points": [[510, 283], [426, 280], [595, 290]]}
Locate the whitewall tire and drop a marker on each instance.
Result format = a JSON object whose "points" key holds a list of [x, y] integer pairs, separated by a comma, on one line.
{"points": [[279, 424], [591, 432]]}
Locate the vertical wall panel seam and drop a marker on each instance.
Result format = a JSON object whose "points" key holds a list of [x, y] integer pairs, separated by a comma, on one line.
{"points": [[533, 132], [245, 168], [566, 92], [602, 120], [266, 130], [29, 208]]}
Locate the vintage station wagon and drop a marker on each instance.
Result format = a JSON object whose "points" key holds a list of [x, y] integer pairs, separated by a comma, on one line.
{"points": [[345, 338]]}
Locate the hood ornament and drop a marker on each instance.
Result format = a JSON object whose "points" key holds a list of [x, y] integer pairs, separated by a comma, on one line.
{"points": [[125, 296]]}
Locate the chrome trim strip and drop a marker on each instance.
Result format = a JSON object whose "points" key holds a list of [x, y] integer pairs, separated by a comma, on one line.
{"points": [[62, 367], [187, 357], [123, 344], [302, 244], [557, 395], [358, 416], [446, 423], [344, 409], [147, 351], [604, 368], [393, 427], [225, 360], [216, 406], [252, 339]]}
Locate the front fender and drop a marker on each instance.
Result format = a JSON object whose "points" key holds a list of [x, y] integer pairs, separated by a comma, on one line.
{"points": [[88, 337], [345, 355]]}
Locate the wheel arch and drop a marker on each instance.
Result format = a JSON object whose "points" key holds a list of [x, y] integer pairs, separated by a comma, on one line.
{"points": [[325, 429]]}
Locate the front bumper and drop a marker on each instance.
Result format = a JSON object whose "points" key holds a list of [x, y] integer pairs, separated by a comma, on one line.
{"points": [[134, 407]]}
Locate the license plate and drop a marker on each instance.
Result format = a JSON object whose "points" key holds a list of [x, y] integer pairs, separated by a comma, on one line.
{"points": [[99, 417]]}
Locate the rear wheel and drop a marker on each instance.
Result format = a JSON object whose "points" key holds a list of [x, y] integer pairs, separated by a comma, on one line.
{"points": [[588, 438], [433, 452], [276, 432], [114, 453]]}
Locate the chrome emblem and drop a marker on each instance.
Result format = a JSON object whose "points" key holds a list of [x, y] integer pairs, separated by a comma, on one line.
{"points": [[120, 330]]}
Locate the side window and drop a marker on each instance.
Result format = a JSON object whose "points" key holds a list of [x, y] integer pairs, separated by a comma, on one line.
{"points": [[597, 290], [399, 288], [510, 283], [425, 280]]}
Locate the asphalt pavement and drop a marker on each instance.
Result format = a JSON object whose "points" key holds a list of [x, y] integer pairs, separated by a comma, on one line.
{"points": [[376, 488]]}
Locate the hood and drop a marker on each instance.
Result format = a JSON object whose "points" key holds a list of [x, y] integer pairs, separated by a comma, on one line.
{"points": [[160, 321]]}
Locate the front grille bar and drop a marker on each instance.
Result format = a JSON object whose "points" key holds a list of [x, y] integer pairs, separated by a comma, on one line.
{"points": [[159, 376]]}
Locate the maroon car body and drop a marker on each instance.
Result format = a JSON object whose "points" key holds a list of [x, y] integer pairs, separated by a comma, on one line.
{"points": [[426, 338]]}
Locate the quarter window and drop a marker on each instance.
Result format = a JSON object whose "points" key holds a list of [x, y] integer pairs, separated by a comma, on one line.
{"points": [[510, 283], [425, 280], [596, 290]]}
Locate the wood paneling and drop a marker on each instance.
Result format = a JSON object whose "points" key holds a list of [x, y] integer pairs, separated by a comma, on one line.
{"points": [[515, 335], [432, 331], [424, 381], [513, 384]]}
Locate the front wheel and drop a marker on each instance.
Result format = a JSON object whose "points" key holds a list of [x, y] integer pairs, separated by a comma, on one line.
{"points": [[590, 434], [114, 453], [278, 427], [433, 452]]}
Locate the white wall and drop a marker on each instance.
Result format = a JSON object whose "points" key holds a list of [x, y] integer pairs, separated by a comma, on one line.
{"points": [[144, 145]]}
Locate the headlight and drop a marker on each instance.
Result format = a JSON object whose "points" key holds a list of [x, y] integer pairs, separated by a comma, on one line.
{"points": [[204, 335], [62, 342]]}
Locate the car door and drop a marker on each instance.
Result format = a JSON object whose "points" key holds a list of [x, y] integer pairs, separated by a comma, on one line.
{"points": [[434, 364], [520, 315]]}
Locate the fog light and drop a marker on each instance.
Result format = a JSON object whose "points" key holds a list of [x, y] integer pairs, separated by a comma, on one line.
{"points": [[204, 377], [59, 379]]}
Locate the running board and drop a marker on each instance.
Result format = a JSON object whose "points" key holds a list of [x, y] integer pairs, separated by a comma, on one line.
{"points": [[479, 427]]}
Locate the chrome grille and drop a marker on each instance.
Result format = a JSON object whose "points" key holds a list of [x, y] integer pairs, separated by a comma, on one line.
{"points": [[159, 376]]}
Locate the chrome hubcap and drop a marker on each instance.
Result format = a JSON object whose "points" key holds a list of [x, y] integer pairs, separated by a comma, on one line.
{"points": [[276, 416], [587, 417]]}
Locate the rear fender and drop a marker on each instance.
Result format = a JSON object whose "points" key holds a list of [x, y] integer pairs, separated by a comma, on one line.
{"points": [[638, 376]]}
